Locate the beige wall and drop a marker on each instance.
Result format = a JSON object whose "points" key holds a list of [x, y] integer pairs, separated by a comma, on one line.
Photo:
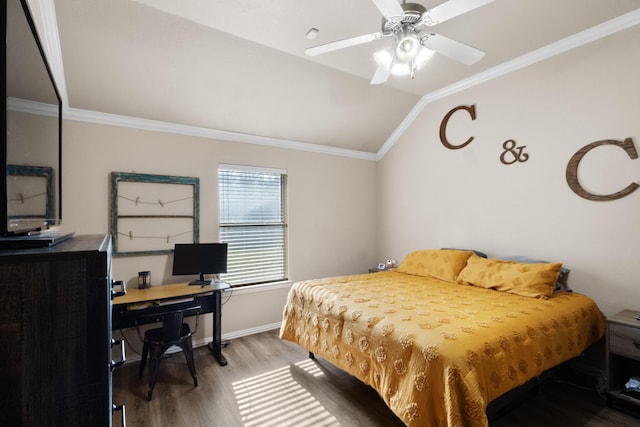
{"points": [[437, 197], [331, 204]]}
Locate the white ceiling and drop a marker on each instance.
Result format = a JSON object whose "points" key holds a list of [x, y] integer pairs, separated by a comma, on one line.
{"points": [[239, 66]]}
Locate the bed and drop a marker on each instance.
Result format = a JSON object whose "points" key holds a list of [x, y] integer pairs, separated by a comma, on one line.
{"points": [[445, 333]]}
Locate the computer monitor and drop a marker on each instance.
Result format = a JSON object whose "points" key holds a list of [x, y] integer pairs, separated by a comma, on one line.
{"points": [[200, 259]]}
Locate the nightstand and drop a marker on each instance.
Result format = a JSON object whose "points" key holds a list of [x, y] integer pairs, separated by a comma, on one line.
{"points": [[623, 360], [377, 270]]}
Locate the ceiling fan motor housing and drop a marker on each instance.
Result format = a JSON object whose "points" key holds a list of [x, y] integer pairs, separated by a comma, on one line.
{"points": [[411, 18]]}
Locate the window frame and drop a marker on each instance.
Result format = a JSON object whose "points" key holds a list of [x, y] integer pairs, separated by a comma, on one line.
{"points": [[283, 213]]}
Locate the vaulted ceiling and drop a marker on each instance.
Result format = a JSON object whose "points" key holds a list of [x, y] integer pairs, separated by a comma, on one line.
{"points": [[239, 66]]}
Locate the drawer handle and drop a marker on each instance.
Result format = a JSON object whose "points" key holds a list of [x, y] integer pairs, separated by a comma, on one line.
{"points": [[123, 359], [637, 344], [122, 289], [123, 416]]}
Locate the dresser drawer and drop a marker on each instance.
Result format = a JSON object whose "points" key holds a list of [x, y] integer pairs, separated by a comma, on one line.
{"points": [[624, 341]]}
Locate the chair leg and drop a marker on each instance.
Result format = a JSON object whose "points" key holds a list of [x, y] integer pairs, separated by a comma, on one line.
{"points": [[154, 367], [143, 359], [187, 349]]}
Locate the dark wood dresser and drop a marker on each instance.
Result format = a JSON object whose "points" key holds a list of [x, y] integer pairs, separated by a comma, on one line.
{"points": [[55, 334]]}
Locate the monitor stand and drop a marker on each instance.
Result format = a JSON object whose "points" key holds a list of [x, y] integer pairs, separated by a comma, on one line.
{"points": [[204, 282]]}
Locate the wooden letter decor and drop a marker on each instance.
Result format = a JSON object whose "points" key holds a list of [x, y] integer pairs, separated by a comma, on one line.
{"points": [[513, 153], [443, 126], [574, 162]]}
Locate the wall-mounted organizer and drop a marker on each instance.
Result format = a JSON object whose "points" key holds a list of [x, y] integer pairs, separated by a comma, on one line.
{"points": [[151, 213]]}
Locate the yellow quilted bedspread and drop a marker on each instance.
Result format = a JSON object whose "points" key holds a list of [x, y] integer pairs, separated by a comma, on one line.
{"points": [[437, 352]]}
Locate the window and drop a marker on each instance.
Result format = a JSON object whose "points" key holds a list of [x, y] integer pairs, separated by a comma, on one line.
{"points": [[253, 223]]}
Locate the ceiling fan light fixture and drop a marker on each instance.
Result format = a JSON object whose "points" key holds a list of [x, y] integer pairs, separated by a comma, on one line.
{"points": [[407, 48], [395, 67], [382, 57], [399, 67]]}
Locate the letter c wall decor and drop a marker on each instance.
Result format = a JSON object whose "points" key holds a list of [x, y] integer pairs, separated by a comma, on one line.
{"points": [[574, 162], [443, 126]]}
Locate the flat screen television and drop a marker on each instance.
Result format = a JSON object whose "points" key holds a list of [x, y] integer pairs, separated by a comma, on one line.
{"points": [[30, 150], [200, 259]]}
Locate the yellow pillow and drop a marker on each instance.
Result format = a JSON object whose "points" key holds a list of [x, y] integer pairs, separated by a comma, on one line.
{"points": [[443, 264], [529, 280]]}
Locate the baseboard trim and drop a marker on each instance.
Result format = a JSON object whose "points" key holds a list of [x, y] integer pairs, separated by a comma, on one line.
{"points": [[225, 337], [251, 331]]}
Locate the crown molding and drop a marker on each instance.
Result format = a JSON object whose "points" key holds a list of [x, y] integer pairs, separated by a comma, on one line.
{"points": [[180, 129], [32, 107], [592, 34]]}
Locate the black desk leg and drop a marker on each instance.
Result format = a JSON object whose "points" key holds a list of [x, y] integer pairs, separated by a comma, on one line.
{"points": [[216, 345]]}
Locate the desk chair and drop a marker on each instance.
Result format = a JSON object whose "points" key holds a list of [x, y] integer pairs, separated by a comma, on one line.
{"points": [[173, 332]]}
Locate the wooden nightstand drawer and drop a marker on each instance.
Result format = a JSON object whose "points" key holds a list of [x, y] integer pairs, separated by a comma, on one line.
{"points": [[624, 340]]}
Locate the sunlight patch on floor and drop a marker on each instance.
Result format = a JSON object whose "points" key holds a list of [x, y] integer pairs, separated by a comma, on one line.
{"points": [[275, 398], [311, 367]]}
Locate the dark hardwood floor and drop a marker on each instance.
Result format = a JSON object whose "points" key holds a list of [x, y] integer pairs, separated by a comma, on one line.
{"points": [[272, 383]]}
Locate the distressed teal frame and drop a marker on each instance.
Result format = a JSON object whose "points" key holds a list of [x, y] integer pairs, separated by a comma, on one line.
{"points": [[117, 177], [39, 171]]}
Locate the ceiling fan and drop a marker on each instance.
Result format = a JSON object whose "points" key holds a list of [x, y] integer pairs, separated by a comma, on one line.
{"points": [[412, 44]]}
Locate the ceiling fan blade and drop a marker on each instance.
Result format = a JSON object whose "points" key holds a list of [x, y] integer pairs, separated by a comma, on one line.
{"points": [[341, 44], [451, 9], [453, 49], [389, 8], [381, 75]]}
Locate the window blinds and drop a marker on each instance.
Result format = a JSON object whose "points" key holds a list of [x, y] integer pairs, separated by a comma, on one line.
{"points": [[253, 223]]}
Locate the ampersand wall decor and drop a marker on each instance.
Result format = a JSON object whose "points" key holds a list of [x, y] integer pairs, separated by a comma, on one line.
{"points": [[512, 153]]}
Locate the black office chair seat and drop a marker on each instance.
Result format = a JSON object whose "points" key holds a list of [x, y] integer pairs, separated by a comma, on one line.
{"points": [[158, 340]]}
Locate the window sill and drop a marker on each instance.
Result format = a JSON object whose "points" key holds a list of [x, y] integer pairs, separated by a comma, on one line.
{"points": [[251, 289]]}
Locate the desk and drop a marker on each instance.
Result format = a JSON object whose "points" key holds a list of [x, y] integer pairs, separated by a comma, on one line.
{"points": [[208, 296]]}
